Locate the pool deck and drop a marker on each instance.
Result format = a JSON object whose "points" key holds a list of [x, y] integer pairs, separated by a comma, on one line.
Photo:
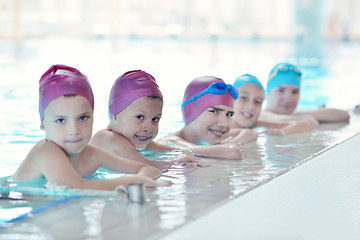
{"points": [[317, 200], [301, 186]]}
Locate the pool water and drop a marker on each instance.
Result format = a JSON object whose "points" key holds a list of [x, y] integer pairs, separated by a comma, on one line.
{"points": [[172, 62], [18, 206]]}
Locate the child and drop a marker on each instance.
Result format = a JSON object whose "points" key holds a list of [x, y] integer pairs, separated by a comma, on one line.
{"points": [[283, 91], [207, 110], [135, 108], [66, 104], [248, 108], [248, 105]]}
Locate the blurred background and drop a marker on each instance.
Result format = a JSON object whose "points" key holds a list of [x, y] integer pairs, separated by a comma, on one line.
{"points": [[226, 38], [245, 19], [176, 41]]}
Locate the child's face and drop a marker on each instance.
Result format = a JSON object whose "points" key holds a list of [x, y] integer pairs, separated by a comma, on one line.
{"points": [[283, 99], [68, 123], [248, 105], [213, 125], [139, 122]]}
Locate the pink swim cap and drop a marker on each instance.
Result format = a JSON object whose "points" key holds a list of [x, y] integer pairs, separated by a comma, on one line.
{"points": [[61, 80], [203, 93], [129, 87]]}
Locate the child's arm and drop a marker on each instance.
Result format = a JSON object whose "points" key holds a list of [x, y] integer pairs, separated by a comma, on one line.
{"points": [[303, 124], [120, 164], [242, 135], [122, 147], [327, 115], [111, 184], [133, 154], [49, 160], [156, 146], [185, 158], [68, 176], [291, 127], [223, 151]]}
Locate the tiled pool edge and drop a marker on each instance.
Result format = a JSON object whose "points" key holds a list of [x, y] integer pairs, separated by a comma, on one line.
{"points": [[204, 224]]}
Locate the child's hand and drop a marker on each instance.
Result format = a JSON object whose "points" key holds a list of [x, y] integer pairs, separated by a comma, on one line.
{"points": [[188, 159], [185, 157], [193, 164], [150, 183], [162, 165], [138, 178]]}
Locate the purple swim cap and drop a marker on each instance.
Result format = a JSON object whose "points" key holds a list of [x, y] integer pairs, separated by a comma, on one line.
{"points": [[197, 97], [129, 87], [61, 80]]}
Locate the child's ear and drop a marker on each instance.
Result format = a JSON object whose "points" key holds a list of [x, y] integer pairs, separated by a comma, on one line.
{"points": [[42, 126]]}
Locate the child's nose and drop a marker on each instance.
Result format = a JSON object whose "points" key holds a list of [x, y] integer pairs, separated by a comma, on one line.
{"points": [[73, 129], [148, 127], [223, 120], [289, 96], [250, 106]]}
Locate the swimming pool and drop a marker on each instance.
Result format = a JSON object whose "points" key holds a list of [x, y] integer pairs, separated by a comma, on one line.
{"points": [[173, 63]]}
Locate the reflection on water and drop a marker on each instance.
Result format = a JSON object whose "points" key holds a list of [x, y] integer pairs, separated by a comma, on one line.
{"points": [[92, 213], [196, 190], [171, 201], [27, 231]]}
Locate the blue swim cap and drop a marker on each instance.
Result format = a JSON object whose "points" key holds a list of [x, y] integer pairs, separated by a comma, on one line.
{"points": [[283, 74], [247, 78]]}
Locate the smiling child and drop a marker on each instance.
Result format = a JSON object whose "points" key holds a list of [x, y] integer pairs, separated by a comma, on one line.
{"points": [[135, 109], [207, 110], [66, 105]]}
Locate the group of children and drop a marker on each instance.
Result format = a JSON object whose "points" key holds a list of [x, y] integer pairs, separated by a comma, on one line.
{"points": [[218, 119]]}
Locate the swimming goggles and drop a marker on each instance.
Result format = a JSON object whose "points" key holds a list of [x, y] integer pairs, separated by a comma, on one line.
{"points": [[285, 68], [214, 88]]}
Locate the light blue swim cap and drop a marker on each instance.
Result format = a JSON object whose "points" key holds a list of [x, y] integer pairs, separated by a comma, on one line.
{"points": [[283, 74], [247, 78]]}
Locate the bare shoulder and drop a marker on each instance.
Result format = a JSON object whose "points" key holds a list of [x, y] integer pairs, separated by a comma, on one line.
{"points": [[43, 150], [101, 136], [108, 139], [91, 158], [32, 166]]}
